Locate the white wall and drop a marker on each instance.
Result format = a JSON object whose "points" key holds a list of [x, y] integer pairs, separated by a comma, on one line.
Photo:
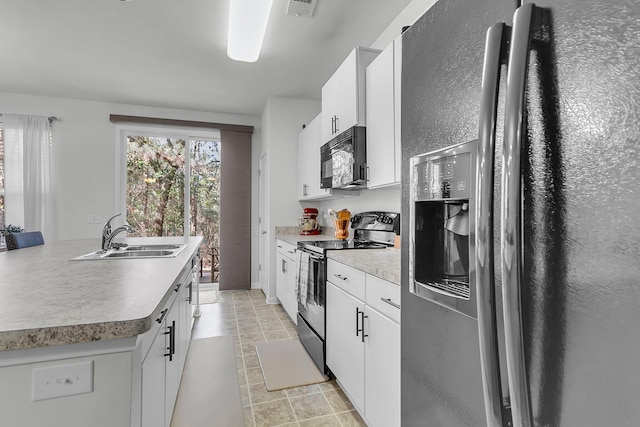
{"points": [[282, 121], [408, 16], [84, 143], [379, 199]]}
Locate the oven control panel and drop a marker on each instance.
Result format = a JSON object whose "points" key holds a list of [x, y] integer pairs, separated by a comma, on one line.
{"points": [[376, 220]]}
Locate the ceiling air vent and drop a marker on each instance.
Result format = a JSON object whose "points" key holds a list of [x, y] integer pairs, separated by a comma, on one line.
{"points": [[301, 7]]}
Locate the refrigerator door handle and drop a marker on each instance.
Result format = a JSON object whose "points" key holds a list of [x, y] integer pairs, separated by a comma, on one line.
{"points": [[511, 239], [496, 41]]}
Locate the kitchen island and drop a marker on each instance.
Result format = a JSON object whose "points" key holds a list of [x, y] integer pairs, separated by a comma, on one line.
{"points": [[86, 342]]}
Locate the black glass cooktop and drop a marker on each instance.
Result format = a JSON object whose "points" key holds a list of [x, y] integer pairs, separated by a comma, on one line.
{"points": [[325, 245]]}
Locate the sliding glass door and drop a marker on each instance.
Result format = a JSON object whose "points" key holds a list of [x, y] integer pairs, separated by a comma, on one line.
{"points": [[170, 186], [204, 202]]}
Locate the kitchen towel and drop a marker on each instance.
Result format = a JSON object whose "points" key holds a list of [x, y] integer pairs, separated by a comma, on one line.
{"points": [[303, 278]]}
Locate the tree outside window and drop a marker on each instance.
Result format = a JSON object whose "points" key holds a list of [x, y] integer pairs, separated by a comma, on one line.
{"points": [[156, 187]]}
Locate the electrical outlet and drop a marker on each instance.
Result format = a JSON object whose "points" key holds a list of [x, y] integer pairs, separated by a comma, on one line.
{"points": [[94, 219], [62, 380]]}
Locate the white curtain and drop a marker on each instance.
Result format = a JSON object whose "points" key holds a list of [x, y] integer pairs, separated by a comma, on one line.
{"points": [[28, 188]]}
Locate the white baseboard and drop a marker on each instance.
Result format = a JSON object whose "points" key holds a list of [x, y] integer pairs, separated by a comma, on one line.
{"points": [[273, 300], [255, 285]]}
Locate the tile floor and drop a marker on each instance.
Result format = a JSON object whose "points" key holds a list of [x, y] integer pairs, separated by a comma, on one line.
{"points": [[249, 319]]}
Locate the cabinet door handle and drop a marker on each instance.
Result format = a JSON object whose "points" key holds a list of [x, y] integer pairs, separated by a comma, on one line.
{"points": [[337, 123], [360, 328], [172, 340], [388, 301], [284, 266], [177, 288], [162, 314], [362, 321], [340, 276], [333, 125], [304, 189]]}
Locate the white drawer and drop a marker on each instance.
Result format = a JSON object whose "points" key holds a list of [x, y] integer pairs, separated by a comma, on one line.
{"points": [[384, 297], [346, 278], [286, 249]]}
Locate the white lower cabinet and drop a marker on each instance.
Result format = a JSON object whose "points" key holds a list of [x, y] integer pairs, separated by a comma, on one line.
{"points": [[286, 273], [345, 350], [382, 369], [172, 363], [363, 341], [162, 366], [153, 379]]}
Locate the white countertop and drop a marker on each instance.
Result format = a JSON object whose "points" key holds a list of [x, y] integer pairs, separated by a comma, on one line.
{"points": [[382, 263], [48, 299]]}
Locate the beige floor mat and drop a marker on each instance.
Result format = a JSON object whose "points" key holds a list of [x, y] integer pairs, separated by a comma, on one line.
{"points": [[286, 364], [209, 392]]}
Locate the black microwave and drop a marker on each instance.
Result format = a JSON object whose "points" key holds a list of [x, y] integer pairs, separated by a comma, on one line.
{"points": [[343, 160]]}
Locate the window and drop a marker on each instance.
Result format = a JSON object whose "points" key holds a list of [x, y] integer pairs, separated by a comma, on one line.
{"points": [[156, 185]]}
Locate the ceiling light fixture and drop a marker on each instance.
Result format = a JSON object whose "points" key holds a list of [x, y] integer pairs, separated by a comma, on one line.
{"points": [[247, 25]]}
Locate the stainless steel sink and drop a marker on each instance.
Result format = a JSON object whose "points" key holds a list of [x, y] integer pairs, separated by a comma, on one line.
{"points": [[135, 251], [152, 247], [139, 254]]}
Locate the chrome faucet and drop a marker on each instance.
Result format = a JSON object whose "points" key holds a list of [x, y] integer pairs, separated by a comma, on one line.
{"points": [[108, 235]]}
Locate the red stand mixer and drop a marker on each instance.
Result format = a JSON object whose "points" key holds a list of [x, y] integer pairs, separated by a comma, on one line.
{"points": [[308, 223]]}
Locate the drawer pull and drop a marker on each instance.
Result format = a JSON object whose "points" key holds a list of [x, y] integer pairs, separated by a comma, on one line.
{"points": [[162, 314], [388, 301], [340, 276]]}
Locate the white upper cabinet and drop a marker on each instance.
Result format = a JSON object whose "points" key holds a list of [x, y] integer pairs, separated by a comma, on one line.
{"points": [[309, 142], [343, 96], [383, 77]]}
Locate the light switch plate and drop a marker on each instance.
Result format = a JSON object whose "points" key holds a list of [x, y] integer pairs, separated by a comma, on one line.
{"points": [[62, 380]]}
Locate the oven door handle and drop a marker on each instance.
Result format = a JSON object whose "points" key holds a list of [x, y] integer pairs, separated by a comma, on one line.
{"points": [[316, 258], [315, 271], [314, 274], [311, 254]]}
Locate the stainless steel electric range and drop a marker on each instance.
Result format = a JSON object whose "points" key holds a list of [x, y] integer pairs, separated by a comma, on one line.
{"points": [[371, 230]]}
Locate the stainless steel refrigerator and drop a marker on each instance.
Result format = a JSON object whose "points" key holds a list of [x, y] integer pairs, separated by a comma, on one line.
{"points": [[543, 105]]}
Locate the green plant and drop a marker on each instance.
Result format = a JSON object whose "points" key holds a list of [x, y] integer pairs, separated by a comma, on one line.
{"points": [[11, 229]]}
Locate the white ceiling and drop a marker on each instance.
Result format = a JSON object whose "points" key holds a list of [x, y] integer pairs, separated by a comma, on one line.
{"points": [[172, 53]]}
